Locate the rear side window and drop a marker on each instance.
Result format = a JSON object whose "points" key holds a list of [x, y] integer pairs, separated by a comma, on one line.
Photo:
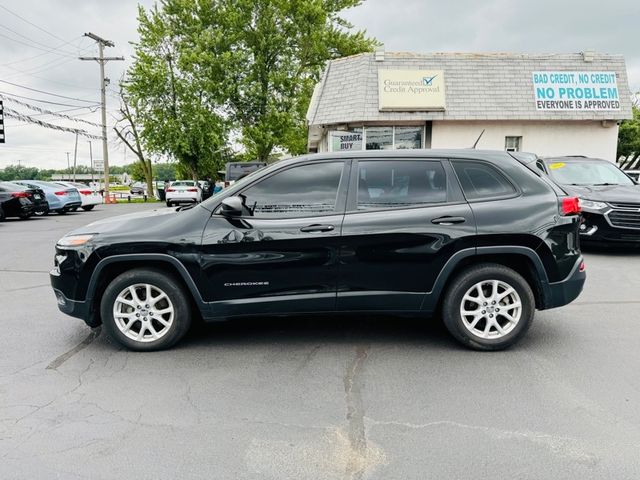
{"points": [[400, 184], [302, 191], [480, 180]]}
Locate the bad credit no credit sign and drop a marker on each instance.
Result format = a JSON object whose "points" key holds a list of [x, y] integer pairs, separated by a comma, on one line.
{"points": [[576, 91]]}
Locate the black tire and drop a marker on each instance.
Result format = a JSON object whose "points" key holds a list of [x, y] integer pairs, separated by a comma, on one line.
{"points": [[169, 204], [41, 213], [88, 207], [62, 211], [170, 286], [73, 209], [464, 281], [25, 216]]}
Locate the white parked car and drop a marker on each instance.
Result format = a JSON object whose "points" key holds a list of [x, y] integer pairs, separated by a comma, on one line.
{"points": [[89, 195], [183, 191]]}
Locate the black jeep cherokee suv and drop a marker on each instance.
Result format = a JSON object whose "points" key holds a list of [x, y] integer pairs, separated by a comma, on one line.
{"points": [[474, 236]]}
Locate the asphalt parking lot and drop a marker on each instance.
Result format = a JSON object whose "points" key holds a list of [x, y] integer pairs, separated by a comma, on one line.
{"points": [[315, 398]]}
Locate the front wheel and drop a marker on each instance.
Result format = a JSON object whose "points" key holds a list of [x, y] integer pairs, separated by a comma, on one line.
{"points": [[145, 310], [488, 307]]}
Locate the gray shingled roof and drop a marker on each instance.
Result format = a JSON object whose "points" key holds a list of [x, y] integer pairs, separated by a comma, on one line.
{"points": [[479, 86]]}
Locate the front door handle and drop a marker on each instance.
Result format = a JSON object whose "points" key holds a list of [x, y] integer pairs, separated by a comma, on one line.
{"points": [[448, 220], [317, 228]]}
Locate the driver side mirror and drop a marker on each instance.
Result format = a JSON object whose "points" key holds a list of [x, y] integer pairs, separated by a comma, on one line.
{"points": [[232, 207]]}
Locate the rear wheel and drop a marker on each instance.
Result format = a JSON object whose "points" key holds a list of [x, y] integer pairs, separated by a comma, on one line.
{"points": [[488, 307], [88, 207], [42, 213], [169, 204], [73, 209], [62, 211], [145, 310]]}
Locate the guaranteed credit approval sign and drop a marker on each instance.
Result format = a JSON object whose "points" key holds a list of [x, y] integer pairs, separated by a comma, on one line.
{"points": [[576, 91]]}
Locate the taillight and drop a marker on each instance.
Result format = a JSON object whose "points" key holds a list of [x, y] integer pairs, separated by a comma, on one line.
{"points": [[20, 195], [582, 267], [171, 189], [192, 189], [61, 193], [570, 206], [85, 192]]}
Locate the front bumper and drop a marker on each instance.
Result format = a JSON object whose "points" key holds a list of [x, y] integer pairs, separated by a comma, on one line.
{"points": [[596, 229], [566, 291]]}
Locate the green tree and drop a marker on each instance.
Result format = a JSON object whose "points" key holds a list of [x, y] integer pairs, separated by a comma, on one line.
{"points": [[629, 139], [179, 112], [164, 171], [203, 69], [128, 132], [275, 51]]}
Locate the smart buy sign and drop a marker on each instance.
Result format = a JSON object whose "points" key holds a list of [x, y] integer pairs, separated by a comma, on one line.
{"points": [[576, 91]]}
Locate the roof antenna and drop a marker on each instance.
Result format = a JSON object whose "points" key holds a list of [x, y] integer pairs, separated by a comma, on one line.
{"points": [[478, 139]]}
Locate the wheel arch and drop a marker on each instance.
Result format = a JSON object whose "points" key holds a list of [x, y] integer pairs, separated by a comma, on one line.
{"points": [[109, 268], [523, 260]]}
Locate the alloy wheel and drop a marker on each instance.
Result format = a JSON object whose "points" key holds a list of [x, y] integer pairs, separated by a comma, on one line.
{"points": [[143, 312], [491, 309]]}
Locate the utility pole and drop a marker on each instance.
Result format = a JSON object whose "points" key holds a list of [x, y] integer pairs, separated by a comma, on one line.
{"points": [[68, 165], [93, 180], [103, 97], [75, 158]]}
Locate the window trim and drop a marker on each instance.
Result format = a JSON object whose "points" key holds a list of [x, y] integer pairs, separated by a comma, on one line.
{"points": [[453, 189], [340, 197], [517, 193]]}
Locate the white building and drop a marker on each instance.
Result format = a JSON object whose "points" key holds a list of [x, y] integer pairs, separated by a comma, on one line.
{"points": [[556, 104]]}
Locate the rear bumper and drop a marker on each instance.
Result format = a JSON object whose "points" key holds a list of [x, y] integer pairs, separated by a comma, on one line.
{"points": [[567, 290]]}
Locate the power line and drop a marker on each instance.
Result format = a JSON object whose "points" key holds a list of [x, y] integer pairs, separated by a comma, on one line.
{"points": [[48, 93], [26, 118], [45, 101], [42, 54], [49, 112], [31, 23], [33, 46], [33, 41]]}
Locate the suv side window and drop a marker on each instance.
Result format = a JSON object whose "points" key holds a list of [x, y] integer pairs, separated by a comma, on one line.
{"points": [[400, 184], [480, 180], [302, 191]]}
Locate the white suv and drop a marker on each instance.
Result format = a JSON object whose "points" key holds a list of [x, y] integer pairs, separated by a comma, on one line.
{"points": [[183, 191]]}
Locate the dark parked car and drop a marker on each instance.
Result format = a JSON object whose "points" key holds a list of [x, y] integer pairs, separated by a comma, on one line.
{"points": [[474, 236], [610, 199], [16, 200]]}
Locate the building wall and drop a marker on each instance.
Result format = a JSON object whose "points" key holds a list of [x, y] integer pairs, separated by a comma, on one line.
{"points": [[587, 138]]}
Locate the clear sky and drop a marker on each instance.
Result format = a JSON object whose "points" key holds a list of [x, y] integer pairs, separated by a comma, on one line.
{"points": [[40, 51]]}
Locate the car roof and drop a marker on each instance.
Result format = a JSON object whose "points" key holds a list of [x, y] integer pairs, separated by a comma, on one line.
{"points": [[426, 153], [573, 159]]}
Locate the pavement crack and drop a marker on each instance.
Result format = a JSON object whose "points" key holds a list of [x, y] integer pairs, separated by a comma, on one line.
{"points": [[70, 353], [353, 384]]}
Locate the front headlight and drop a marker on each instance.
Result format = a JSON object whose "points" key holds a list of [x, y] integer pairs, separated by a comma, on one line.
{"points": [[74, 240], [591, 205]]}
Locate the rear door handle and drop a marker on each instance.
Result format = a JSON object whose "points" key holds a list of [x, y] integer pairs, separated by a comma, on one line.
{"points": [[317, 228], [448, 220]]}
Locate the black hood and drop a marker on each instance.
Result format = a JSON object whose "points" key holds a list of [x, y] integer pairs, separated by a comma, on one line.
{"points": [[605, 193]]}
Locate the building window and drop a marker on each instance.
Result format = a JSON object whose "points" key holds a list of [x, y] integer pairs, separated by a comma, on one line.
{"points": [[407, 137], [512, 144], [379, 138]]}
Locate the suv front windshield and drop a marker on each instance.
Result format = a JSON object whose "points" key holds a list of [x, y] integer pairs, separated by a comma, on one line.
{"points": [[587, 172]]}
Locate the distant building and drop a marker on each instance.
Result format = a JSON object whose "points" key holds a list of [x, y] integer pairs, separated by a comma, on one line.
{"points": [[555, 104], [122, 178]]}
